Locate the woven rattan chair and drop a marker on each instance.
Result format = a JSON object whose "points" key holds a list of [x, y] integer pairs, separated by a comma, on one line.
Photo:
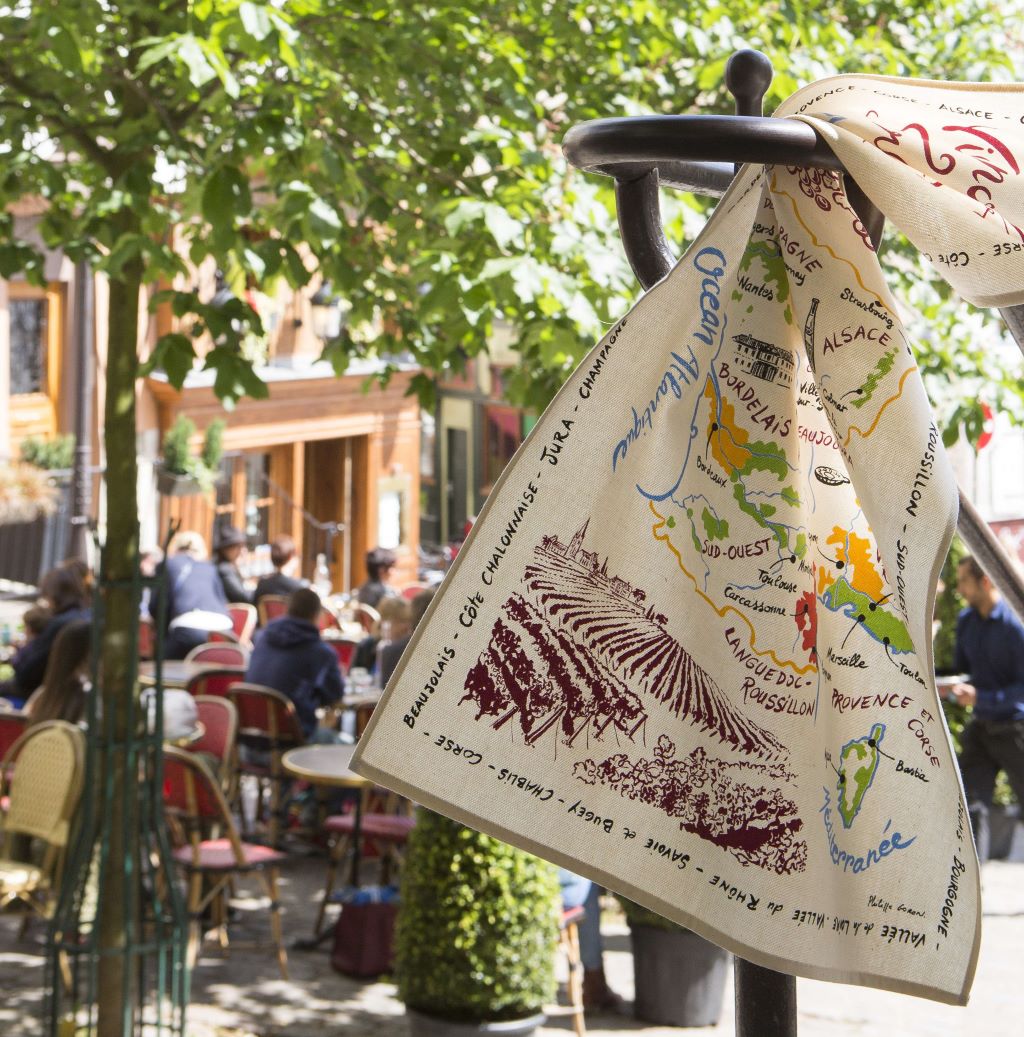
{"points": [[195, 801], [41, 775]]}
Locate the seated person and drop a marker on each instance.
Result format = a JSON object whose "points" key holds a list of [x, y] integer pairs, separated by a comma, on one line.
{"points": [[227, 546], [196, 603], [282, 580], [34, 621], [80, 570], [391, 653], [379, 563], [395, 619], [64, 592], [61, 696], [290, 657], [580, 892]]}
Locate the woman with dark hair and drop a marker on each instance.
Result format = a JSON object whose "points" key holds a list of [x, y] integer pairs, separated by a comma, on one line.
{"points": [[62, 693], [227, 546], [64, 590], [280, 581]]}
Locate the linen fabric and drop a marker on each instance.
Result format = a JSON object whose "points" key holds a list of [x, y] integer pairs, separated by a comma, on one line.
{"points": [[686, 650]]}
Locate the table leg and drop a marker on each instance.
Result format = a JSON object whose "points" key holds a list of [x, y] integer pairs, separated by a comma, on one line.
{"points": [[357, 838]]}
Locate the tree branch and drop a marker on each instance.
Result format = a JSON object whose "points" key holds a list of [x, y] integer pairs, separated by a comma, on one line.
{"points": [[38, 96]]}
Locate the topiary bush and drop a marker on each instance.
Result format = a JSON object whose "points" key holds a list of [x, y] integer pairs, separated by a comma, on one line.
{"points": [[213, 444], [176, 449], [177, 452], [476, 933]]}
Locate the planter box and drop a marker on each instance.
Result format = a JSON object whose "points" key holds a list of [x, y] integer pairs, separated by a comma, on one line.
{"points": [[171, 484], [680, 977], [421, 1025], [1002, 823]]}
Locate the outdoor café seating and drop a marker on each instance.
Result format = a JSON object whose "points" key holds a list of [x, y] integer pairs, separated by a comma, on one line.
{"points": [[219, 654], [219, 739], [41, 775], [215, 681], [267, 727], [195, 800], [243, 621], [12, 726], [271, 607], [383, 825]]}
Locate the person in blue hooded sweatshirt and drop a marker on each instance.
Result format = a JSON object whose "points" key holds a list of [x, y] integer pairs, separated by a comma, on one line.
{"points": [[290, 657]]}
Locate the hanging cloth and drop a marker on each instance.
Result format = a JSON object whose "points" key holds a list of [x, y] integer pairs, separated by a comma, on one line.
{"points": [[686, 650]]}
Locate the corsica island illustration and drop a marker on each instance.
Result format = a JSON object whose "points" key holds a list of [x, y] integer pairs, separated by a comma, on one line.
{"points": [[560, 655]]}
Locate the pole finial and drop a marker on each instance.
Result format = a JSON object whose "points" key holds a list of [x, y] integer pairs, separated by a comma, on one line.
{"points": [[748, 74]]}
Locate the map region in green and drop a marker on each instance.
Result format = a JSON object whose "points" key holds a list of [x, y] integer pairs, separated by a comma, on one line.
{"points": [[858, 764], [881, 624]]}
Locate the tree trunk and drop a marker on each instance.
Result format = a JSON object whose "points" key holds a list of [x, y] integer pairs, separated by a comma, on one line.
{"points": [[119, 893]]}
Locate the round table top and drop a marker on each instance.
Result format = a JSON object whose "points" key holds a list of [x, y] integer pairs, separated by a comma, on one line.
{"points": [[177, 673], [324, 765]]}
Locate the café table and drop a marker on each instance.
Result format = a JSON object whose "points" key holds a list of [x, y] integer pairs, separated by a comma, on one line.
{"points": [[177, 672], [328, 766]]}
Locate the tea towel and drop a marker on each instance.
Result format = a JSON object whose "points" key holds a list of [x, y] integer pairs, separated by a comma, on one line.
{"points": [[686, 650]]}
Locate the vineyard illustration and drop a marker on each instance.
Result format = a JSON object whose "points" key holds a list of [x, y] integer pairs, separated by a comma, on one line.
{"points": [[577, 657]]}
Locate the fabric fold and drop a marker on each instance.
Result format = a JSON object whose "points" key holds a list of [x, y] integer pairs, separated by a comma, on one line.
{"points": [[686, 650]]}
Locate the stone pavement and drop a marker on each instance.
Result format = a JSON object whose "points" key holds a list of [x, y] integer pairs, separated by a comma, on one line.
{"points": [[244, 996]]}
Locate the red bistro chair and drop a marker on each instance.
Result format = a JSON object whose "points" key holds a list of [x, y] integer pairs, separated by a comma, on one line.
{"points": [[345, 649], [219, 654], [12, 727], [219, 739], [215, 682], [267, 727], [221, 637], [147, 637], [385, 822], [271, 607], [368, 618], [327, 620], [193, 798], [243, 621], [412, 590]]}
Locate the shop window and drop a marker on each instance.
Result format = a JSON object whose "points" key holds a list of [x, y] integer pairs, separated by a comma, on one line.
{"points": [[28, 319]]}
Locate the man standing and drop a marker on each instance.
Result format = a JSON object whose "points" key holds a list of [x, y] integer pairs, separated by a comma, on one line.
{"points": [[990, 649], [290, 657]]}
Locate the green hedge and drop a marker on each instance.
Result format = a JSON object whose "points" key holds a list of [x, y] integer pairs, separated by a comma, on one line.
{"points": [[637, 915], [478, 925]]}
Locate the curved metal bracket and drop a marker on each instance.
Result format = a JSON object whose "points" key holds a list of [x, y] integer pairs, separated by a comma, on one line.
{"points": [[697, 153]]}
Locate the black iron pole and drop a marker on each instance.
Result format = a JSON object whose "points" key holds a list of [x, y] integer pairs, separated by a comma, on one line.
{"points": [[81, 488]]}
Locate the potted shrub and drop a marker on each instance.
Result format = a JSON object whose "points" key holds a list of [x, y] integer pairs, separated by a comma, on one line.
{"points": [[181, 473], [1005, 812], [57, 454], [680, 977], [476, 933]]}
